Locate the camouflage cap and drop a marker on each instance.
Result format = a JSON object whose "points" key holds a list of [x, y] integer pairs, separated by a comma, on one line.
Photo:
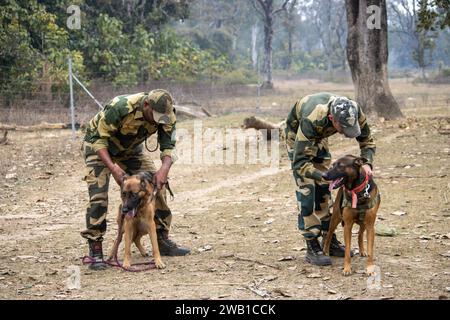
{"points": [[162, 104], [345, 112]]}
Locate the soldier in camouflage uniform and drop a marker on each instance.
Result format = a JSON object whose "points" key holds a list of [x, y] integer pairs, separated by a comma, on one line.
{"points": [[311, 121], [113, 145]]}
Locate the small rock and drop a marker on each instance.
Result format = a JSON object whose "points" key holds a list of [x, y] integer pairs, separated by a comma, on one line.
{"points": [[270, 278], [25, 257], [269, 221], [11, 176], [265, 200], [331, 291], [282, 292], [314, 275], [205, 248], [384, 231], [288, 258], [398, 213]]}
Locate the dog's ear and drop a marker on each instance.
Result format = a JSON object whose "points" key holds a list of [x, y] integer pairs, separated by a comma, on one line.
{"points": [[145, 177], [359, 162]]}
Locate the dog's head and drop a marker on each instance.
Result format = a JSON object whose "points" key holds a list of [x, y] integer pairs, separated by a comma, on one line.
{"points": [[135, 189], [344, 170]]}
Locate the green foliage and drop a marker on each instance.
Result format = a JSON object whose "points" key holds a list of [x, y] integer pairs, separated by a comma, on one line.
{"points": [[33, 55], [122, 42], [239, 76], [434, 14]]}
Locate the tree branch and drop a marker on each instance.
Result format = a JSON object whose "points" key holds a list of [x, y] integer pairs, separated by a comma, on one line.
{"points": [[257, 9], [283, 7]]}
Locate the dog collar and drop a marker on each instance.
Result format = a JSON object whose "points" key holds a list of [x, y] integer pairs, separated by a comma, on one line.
{"points": [[358, 189]]}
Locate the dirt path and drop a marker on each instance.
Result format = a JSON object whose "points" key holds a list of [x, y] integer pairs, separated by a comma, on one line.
{"points": [[240, 222]]}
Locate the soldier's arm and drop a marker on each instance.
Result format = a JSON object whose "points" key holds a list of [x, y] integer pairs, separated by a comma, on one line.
{"points": [[167, 140], [107, 125], [108, 122], [305, 151], [365, 139], [291, 131], [116, 171]]}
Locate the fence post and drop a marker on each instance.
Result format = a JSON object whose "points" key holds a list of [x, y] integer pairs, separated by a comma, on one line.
{"points": [[72, 110]]}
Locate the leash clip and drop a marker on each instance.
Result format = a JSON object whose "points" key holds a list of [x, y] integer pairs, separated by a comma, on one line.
{"points": [[366, 192]]}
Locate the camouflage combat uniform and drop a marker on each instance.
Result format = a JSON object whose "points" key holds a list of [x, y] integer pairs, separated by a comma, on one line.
{"points": [[121, 128], [307, 131]]}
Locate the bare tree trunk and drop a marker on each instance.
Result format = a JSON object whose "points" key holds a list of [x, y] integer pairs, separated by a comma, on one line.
{"points": [[290, 50], [367, 54], [266, 9], [254, 50], [329, 40], [289, 24], [268, 37]]}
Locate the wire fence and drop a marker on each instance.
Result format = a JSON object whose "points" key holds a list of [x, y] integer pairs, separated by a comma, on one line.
{"points": [[41, 104]]}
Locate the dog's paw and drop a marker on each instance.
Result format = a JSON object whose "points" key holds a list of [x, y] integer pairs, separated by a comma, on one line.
{"points": [[362, 254], [347, 271], [370, 271], [159, 264], [126, 264]]}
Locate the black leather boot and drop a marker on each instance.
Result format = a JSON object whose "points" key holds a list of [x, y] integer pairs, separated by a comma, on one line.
{"points": [[314, 254], [167, 247], [337, 249], [96, 253]]}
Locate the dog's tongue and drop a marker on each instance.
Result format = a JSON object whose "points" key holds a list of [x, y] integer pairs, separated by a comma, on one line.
{"points": [[334, 183], [132, 213]]}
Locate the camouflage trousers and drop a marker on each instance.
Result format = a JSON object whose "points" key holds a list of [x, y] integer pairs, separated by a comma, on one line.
{"points": [[314, 198], [98, 176]]}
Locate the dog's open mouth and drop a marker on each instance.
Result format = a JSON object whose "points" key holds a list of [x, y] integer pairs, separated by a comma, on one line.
{"points": [[131, 213], [336, 183]]}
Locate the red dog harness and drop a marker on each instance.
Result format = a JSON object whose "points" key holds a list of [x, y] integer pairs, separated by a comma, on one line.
{"points": [[358, 189]]}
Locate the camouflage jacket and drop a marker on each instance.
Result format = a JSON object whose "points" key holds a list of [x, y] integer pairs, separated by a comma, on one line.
{"points": [[308, 123], [121, 128]]}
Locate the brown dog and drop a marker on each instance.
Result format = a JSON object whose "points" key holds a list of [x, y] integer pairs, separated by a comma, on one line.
{"points": [[357, 201], [136, 217]]}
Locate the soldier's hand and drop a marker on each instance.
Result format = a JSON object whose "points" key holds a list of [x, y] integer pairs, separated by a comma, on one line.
{"points": [[368, 169], [118, 174], [160, 178]]}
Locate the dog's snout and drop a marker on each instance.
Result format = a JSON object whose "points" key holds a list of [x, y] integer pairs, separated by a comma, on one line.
{"points": [[326, 175]]}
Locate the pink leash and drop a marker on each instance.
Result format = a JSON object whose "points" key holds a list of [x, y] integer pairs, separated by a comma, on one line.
{"points": [[150, 265]]}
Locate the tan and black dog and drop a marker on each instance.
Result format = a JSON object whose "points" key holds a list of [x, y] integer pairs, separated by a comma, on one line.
{"points": [[357, 201], [136, 217]]}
